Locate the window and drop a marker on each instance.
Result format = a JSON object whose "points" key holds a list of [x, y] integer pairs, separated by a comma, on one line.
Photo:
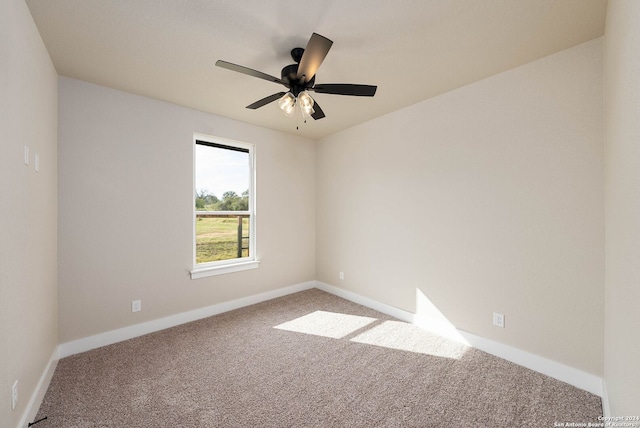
{"points": [[224, 205]]}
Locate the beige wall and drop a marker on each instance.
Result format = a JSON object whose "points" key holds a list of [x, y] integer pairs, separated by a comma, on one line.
{"points": [[622, 207], [28, 116], [125, 209], [486, 199]]}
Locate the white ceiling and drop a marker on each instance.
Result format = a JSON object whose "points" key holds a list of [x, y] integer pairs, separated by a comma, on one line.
{"points": [[411, 49]]}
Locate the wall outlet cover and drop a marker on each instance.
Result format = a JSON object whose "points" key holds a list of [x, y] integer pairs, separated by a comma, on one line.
{"points": [[498, 319]]}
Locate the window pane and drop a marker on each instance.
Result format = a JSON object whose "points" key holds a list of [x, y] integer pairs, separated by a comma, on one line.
{"points": [[222, 179], [222, 202], [217, 237]]}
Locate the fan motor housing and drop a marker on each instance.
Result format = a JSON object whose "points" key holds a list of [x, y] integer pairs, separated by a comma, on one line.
{"points": [[289, 75]]}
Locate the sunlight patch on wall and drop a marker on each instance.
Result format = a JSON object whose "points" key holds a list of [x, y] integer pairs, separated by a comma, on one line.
{"points": [[408, 337], [327, 324], [429, 317]]}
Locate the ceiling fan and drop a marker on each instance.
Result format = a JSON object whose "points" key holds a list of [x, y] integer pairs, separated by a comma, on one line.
{"points": [[300, 77]]}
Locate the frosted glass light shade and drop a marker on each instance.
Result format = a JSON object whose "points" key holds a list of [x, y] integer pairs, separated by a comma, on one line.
{"points": [[287, 103]]}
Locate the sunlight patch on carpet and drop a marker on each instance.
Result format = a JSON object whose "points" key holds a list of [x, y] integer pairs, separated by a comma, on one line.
{"points": [[407, 337], [327, 324]]}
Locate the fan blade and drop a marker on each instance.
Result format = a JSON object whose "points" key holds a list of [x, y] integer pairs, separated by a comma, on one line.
{"points": [[346, 89], [249, 71], [265, 101], [315, 52], [318, 113]]}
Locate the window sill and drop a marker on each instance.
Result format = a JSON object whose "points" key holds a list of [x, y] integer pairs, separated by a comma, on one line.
{"points": [[221, 270]]}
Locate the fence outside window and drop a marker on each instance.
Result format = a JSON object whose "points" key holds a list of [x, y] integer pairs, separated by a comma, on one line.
{"points": [[222, 235]]}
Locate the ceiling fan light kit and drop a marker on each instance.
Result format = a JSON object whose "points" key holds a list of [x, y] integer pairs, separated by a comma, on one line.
{"points": [[288, 103], [299, 78]]}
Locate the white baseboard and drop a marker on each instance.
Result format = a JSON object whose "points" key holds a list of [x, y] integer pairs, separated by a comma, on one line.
{"points": [[606, 410], [41, 389], [125, 333], [564, 373], [554, 369], [365, 301]]}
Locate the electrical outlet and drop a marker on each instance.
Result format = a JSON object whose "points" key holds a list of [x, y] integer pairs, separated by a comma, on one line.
{"points": [[136, 305], [498, 319], [14, 395], [341, 275]]}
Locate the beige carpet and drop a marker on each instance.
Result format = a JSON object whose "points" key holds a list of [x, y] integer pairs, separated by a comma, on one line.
{"points": [[309, 359]]}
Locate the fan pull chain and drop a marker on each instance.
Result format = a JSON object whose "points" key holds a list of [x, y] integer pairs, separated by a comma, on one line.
{"points": [[299, 114]]}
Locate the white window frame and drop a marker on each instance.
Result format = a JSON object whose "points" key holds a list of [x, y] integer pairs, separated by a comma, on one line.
{"points": [[219, 267]]}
